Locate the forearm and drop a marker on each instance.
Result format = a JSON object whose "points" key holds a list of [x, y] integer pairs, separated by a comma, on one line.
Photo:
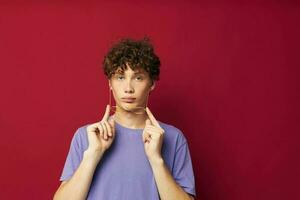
{"points": [[78, 186], [167, 187]]}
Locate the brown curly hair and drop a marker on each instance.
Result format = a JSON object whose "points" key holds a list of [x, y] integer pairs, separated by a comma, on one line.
{"points": [[137, 53]]}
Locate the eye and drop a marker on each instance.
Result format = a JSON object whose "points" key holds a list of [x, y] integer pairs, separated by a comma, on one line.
{"points": [[139, 78], [120, 77]]}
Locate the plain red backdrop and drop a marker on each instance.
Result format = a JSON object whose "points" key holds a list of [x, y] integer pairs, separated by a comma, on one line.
{"points": [[229, 81]]}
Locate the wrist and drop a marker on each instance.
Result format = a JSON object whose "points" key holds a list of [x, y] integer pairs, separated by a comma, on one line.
{"points": [[156, 161], [93, 155]]}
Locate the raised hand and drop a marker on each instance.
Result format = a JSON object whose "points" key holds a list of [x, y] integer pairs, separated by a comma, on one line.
{"points": [[101, 134], [152, 138]]}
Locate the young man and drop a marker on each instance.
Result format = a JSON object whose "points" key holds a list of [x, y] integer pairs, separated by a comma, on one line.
{"points": [[129, 155]]}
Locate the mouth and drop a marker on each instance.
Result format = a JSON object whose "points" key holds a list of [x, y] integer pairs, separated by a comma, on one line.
{"points": [[128, 100]]}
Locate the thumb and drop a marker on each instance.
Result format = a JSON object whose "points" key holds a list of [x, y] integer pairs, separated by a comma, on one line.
{"points": [[111, 121], [145, 134], [148, 122]]}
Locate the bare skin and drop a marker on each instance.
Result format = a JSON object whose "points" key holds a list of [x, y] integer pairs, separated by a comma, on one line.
{"points": [[102, 134]]}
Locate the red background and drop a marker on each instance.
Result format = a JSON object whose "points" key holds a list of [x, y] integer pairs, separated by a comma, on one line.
{"points": [[229, 81]]}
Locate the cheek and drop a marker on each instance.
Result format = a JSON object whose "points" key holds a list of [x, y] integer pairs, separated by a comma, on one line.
{"points": [[116, 88], [116, 93], [143, 92]]}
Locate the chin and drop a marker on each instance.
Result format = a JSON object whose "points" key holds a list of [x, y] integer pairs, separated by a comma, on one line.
{"points": [[125, 106], [130, 106]]}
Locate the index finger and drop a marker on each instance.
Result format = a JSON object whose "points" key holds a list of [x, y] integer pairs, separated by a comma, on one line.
{"points": [[152, 118], [106, 115]]}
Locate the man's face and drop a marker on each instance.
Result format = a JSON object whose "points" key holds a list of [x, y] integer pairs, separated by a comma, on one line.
{"points": [[131, 88]]}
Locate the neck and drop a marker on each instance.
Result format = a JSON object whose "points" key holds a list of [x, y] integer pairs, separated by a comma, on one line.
{"points": [[130, 119]]}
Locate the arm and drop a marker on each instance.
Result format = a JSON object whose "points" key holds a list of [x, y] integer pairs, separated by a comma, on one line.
{"points": [[78, 186], [99, 139], [153, 138], [167, 186]]}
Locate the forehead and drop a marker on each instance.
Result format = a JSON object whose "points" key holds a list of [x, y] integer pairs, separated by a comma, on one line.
{"points": [[129, 70]]}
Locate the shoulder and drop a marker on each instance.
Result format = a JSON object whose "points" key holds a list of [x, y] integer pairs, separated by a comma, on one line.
{"points": [[80, 136], [173, 132], [80, 131], [169, 127]]}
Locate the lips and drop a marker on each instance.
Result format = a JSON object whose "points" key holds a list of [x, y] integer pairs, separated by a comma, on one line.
{"points": [[128, 99]]}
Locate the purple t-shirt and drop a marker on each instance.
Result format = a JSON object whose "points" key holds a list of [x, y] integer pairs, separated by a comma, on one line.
{"points": [[124, 171]]}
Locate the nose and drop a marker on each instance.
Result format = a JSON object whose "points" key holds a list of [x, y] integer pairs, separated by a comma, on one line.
{"points": [[128, 87]]}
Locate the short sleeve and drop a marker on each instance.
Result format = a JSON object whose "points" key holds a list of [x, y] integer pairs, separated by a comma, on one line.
{"points": [[74, 157], [183, 169]]}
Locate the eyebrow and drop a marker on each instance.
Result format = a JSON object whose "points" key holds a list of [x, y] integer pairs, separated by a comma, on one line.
{"points": [[137, 72]]}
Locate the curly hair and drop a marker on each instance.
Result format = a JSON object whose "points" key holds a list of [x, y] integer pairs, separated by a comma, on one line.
{"points": [[136, 53]]}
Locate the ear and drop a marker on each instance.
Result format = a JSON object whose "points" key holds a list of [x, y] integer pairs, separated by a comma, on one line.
{"points": [[109, 83], [152, 86]]}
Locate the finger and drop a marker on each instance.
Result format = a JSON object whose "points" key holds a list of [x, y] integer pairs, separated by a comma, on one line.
{"points": [[155, 129], [92, 127], [148, 122], [145, 135], [153, 134], [149, 132], [106, 114], [90, 133], [108, 128], [152, 118], [147, 139], [101, 129], [111, 121], [105, 130], [144, 138]]}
